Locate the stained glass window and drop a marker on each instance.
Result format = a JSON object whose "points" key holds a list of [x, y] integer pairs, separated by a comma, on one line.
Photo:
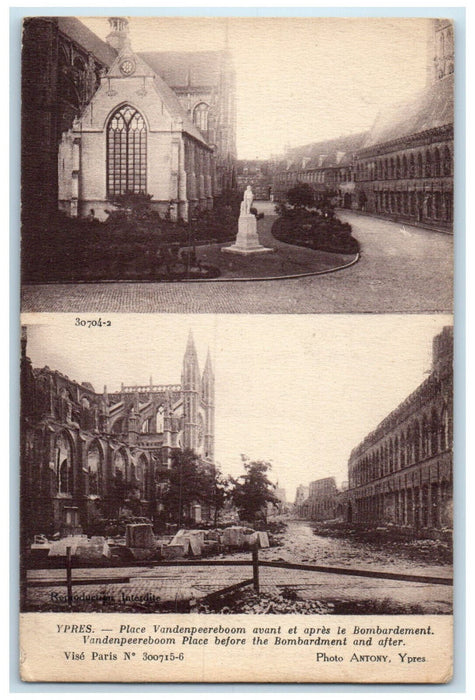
{"points": [[126, 152]]}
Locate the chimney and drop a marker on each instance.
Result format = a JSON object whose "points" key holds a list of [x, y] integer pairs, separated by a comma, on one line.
{"points": [[118, 37]]}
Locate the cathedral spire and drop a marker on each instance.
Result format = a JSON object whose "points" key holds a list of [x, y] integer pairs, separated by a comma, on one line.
{"points": [[208, 370], [191, 372], [190, 345]]}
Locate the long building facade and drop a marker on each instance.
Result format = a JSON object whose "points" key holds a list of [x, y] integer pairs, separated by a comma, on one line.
{"points": [[402, 168], [327, 166], [83, 453], [401, 473], [405, 169]]}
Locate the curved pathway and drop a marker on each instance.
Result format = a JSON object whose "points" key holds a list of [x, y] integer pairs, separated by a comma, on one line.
{"points": [[402, 269]]}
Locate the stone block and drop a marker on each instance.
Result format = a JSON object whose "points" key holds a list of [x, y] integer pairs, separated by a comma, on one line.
{"points": [[174, 551], [93, 549], [139, 535]]}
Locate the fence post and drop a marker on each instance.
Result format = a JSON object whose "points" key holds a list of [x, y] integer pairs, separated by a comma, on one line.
{"points": [[69, 581], [255, 566]]}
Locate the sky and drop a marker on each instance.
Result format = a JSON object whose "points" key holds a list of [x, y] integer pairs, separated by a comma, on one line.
{"points": [[299, 80], [298, 390]]}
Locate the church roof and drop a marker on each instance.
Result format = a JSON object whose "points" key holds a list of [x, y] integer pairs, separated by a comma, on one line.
{"points": [[431, 108], [166, 66], [78, 32], [177, 110], [183, 68]]}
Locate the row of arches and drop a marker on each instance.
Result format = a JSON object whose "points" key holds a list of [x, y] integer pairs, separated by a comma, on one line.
{"points": [[422, 438], [431, 162], [428, 505], [344, 175], [418, 205], [127, 469]]}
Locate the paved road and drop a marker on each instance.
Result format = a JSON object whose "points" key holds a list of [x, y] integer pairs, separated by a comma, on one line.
{"points": [[402, 269], [299, 545]]}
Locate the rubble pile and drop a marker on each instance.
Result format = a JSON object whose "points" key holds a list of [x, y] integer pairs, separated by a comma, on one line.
{"points": [[140, 543], [383, 542], [272, 601]]}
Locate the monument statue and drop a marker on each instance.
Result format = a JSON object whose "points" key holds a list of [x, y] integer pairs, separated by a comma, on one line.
{"points": [[247, 201], [247, 241]]}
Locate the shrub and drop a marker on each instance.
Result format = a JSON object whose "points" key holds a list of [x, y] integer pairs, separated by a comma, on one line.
{"points": [[316, 231], [258, 215], [133, 243], [284, 209], [301, 195], [133, 205]]}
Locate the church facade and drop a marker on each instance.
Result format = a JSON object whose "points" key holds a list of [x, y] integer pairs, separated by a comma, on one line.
{"points": [[83, 451], [113, 125]]}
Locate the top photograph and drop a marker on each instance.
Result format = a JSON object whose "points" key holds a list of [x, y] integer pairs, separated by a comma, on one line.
{"points": [[237, 164]]}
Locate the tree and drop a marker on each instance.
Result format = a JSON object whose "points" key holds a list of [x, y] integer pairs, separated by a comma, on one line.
{"points": [[189, 482], [301, 195], [252, 491], [220, 494], [122, 494], [134, 205]]}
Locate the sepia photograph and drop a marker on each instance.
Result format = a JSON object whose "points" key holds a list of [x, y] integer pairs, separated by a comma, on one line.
{"points": [[237, 164], [303, 466], [236, 358]]}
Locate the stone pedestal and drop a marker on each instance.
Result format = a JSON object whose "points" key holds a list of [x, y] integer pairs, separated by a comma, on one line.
{"points": [[247, 241]]}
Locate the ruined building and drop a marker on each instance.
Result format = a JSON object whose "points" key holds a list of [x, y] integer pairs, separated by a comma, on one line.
{"points": [[82, 451]]}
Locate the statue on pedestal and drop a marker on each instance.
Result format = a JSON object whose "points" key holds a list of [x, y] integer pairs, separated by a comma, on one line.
{"points": [[247, 241], [247, 201]]}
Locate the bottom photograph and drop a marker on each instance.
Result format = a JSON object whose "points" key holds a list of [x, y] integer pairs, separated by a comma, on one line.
{"points": [[263, 465]]}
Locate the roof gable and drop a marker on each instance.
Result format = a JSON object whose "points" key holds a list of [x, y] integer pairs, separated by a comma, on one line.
{"points": [[183, 68]]}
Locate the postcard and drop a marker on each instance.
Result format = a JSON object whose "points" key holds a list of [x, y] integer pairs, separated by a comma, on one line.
{"points": [[236, 458]]}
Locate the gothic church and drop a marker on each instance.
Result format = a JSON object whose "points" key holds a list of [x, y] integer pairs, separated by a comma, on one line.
{"points": [[79, 446], [114, 121]]}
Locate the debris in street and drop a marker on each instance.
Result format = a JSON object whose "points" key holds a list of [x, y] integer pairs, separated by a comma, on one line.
{"points": [[272, 601]]}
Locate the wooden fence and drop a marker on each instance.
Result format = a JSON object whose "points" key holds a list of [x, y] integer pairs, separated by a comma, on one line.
{"points": [[254, 581]]}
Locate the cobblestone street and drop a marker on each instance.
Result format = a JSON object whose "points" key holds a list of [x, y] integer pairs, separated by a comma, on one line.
{"points": [[169, 584], [402, 269]]}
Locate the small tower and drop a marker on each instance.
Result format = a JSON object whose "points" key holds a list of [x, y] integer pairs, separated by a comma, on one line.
{"points": [[207, 400], [190, 385], [118, 37]]}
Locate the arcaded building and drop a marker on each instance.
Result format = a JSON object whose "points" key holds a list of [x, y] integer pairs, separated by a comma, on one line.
{"points": [[401, 473], [405, 169], [402, 168], [99, 120], [85, 453]]}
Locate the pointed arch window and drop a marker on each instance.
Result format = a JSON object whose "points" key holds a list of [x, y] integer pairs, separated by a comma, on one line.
{"points": [[64, 465], [94, 464], [126, 152], [200, 116]]}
